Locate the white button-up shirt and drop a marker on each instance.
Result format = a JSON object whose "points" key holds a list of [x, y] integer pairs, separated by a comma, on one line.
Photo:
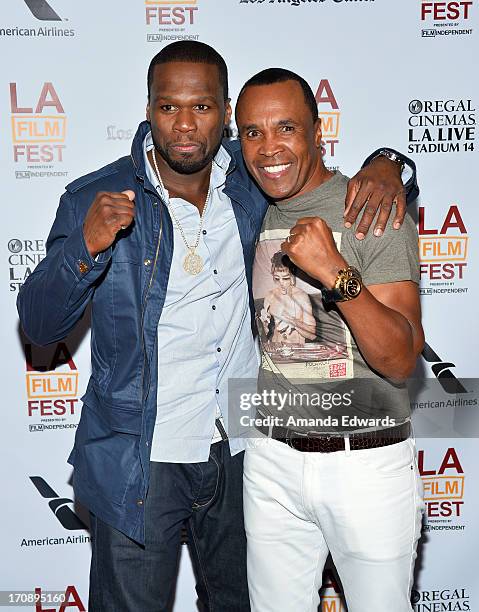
{"points": [[204, 332]]}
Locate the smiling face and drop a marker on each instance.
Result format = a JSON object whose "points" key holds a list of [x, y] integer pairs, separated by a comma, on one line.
{"points": [[281, 143], [187, 113]]}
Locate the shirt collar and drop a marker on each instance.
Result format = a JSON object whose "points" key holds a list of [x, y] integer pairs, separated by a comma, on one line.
{"points": [[221, 163]]}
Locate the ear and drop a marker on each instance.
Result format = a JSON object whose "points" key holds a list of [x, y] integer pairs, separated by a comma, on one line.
{"points": [[228, 112], [317, 133]]}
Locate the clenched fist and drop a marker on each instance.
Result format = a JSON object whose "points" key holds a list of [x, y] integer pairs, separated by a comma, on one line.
{"points": [[109, 213], [312, 248]]}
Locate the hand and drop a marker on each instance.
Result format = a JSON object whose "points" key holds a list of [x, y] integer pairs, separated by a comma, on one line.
{"points": [[109, 213], [378, 185], [312, 248], [265, 317]]}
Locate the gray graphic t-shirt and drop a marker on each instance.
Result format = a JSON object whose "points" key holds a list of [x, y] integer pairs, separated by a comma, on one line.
{"points": [[308, 353]]}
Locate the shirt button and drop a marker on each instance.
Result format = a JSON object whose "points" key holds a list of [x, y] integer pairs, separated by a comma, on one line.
{"points": [[147, 262], [215, 271], [139, 502], [213, 307], [217, 390], [219, 350], [204, 232]]}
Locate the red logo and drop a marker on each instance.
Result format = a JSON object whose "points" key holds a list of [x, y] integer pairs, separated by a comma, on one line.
{"points": [[445, 11], [329, 114], [443, 250], [443, 485], [38, 132], [52, 381]]}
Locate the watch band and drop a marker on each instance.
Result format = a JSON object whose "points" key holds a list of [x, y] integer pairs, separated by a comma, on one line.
{"points": [[392, 156]]}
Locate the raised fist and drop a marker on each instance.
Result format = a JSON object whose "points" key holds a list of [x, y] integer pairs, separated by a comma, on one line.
{"points": [[109, 213]]}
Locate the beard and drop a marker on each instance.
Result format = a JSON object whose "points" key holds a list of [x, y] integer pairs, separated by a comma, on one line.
{"points": [[188, 163]]}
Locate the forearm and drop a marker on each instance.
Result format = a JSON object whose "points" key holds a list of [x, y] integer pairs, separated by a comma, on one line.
{"points": [[55, 295], [385, 338]]}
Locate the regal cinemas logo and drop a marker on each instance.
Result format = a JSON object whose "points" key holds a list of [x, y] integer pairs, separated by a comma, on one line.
{"points": [[23, 257], [443, 600], [46, 601], [171, 19], [329, 114], [439, 18], [443, 252], [441, 126], [443, 482], [52, 387], [39, 126]]}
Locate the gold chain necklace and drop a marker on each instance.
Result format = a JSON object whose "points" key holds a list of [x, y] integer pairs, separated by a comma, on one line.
{"points": [[192, 263]]}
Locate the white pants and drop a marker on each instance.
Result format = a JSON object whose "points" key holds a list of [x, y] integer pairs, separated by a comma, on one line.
{"points": [[363, 506]]}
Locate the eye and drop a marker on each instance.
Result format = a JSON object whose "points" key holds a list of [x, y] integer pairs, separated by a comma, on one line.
{"points": [[252, 134], [285, 129], [167, 108], [202, 107]]}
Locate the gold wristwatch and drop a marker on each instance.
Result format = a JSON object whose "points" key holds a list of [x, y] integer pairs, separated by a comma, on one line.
{"points": [[347, 286]]}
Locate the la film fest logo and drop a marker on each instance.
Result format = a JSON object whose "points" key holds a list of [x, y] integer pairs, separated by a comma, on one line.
{"points": [[453, 598], [38, 11], [331, 594], [443, 480], [443, 251], [439, 18], [39, 126], [70, 601], [441, 126], [52, 387], [329, 114], [171, 20], [23, 257]]}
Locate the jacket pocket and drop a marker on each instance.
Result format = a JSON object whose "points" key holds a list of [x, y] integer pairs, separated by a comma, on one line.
{"points": [[107, 452]]}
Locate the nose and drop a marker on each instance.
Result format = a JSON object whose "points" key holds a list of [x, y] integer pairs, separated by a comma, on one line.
{"points": [[184, 121], [270, 145]]}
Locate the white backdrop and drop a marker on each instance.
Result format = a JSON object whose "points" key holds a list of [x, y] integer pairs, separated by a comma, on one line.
{"points": [[72, 91]]}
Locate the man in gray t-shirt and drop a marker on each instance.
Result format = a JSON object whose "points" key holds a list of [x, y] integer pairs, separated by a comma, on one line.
{"points": [[307, 347], [340, 323]]}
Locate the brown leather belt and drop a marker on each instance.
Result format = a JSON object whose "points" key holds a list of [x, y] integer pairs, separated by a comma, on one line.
{"points": [[330, 443]]}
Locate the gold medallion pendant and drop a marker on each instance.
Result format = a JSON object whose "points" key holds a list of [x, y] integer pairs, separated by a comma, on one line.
{"points": [[192, 263]]}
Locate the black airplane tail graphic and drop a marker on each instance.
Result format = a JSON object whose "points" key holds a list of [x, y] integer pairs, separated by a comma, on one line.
{"points": [[42, 10], [59, 505], [441, 371]]}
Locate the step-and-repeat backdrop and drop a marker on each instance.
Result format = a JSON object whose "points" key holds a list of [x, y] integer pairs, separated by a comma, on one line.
{"points": [[72, 91]]}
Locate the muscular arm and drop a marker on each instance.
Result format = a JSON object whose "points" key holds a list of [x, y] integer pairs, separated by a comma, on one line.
{"points": [[385, 321]]}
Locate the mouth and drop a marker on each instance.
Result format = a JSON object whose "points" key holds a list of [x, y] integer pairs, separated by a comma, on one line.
{"points": [[275, 171], [185, 147]]}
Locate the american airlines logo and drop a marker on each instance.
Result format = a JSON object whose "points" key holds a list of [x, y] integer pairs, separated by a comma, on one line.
{"points": [[42, 10], [61, 507]]}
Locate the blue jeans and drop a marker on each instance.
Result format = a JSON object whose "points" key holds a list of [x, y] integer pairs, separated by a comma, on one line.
{"points": [[207, 498]]}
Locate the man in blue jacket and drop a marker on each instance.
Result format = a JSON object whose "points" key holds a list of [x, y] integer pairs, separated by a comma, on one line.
{"points": [[162, 243]]}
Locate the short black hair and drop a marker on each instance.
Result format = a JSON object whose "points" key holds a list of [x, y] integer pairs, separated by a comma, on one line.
{"points": [[190, 51], [281, 75]]}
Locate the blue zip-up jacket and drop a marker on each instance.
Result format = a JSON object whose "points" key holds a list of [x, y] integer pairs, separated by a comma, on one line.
{"points": [[126, 286]]}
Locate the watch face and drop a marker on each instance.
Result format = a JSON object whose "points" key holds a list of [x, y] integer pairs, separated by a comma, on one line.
{"points": [[353, 287]]}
